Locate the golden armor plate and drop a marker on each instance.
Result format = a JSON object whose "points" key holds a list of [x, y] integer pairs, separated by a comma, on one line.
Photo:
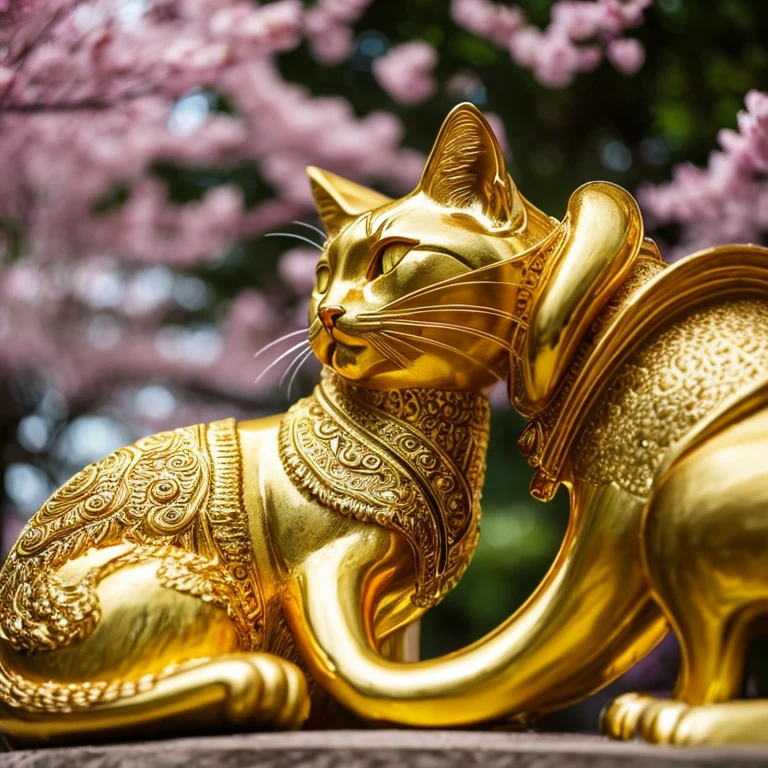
{"points": [[238, 576]]}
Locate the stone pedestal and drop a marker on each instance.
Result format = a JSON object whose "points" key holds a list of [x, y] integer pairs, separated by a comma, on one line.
{"points": [[384, 749]]}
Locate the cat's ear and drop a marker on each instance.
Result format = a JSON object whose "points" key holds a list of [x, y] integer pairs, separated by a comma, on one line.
{"points": [[340, 201], [466, 170]]}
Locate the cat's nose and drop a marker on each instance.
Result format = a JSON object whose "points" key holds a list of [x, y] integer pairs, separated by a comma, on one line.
{"points": [[329, 315]]}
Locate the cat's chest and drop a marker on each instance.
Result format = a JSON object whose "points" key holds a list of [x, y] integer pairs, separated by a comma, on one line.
{"points": [[411, 461], [677, 377], [285, 527]]}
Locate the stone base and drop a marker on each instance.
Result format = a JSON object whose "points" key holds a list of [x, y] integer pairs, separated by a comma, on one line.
{"points": [[382, 749]]}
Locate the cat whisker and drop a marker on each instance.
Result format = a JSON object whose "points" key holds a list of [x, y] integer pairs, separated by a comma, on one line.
{"points": [[304, 359], [446, 286], [447, 347], [403, 342], [285, 354], [277, 341], [296, 237], [452, 327], [313, 227], [290, 365], [437, 308], [388, 351], [418, 351], [406, 362]]}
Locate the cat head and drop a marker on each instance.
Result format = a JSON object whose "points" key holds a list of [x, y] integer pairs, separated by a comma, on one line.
{"points": [[420, 291]]}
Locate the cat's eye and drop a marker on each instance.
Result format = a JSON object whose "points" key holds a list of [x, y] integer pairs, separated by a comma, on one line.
{"points": [[391, 255], [322, 278]]}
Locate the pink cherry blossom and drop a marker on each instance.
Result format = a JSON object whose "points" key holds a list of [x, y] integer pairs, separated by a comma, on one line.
{"points": [[328, 27], [486, 19], [91, 100], [405, 72], [728, 200], [297, 268], [579, 34], [626, 54]]}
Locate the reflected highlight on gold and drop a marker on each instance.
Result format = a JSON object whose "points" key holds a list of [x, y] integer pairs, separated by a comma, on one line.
{"points": [[237, 576]]}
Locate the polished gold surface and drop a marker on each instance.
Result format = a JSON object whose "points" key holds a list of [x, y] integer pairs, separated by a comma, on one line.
{"points": [[234, 576]]}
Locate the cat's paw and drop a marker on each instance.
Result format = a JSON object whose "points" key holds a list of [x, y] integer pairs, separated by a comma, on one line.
{"points": [[620, 717], [659, 721], [266, 691]]}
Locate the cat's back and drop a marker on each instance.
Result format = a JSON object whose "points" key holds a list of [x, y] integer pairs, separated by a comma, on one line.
{"points": [[677, 376]]}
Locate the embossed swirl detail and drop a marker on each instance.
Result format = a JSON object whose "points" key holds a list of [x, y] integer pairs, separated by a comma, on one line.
{"points": [[173, 496], [678, 376]]}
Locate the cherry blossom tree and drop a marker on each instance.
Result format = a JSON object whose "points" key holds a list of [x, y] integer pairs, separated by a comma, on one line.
{"points": [[580, 34], [96, 96], [577, 37]]}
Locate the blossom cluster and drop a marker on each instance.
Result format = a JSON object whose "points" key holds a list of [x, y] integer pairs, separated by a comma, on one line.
{"points": [[579, 34], [328, 28], [728, 200], [405, 72]]}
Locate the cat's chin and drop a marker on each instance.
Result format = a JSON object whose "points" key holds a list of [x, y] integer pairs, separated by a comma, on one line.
{"points": [[365, 367]]}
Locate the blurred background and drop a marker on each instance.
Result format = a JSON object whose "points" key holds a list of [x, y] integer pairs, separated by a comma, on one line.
{"points": [[148, 146]]}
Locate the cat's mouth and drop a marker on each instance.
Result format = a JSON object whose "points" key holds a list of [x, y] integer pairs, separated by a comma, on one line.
{"points": [[344, 354]]}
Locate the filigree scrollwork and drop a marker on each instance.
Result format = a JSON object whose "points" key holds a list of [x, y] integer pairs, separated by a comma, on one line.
{"points": [[165, 492]]}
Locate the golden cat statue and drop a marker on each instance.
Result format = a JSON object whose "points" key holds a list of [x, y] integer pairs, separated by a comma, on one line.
{"points": [[227, 576]]}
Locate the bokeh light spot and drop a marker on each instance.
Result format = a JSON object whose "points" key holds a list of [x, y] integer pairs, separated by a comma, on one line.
{"points": [[616, 156]]}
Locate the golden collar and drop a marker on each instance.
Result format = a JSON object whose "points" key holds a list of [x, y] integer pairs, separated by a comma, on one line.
{"points": [[411, 460]]}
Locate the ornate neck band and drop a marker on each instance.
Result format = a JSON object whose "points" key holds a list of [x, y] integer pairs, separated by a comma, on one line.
{"points": [[411, 460]]}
